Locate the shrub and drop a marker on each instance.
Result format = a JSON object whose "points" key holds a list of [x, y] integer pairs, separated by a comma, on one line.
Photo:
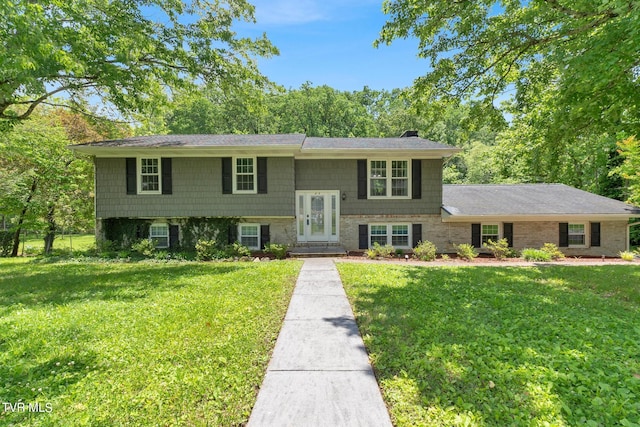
{"points": [[278, 250], [499, 249], [553, 251], [530, 254], [371, 253], [466, 251], [425, 251], [144, 247], [627, 256], [445, 257], [206, 250], [6, 243], [237, 249]]}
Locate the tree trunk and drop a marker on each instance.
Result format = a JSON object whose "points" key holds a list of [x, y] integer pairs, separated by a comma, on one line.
{"points": [[51, 230], [16, 236]]}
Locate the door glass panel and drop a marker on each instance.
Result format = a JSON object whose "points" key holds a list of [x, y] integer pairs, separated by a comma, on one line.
{"points": [[301, 215], [317, 215], [333, 215]]}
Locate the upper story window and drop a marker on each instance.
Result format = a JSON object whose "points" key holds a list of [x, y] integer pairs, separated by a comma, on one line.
{"points": [[244, 175], [389, 178], [149, 182]]}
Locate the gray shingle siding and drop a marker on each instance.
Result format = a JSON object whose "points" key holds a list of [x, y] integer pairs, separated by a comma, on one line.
{"points": [[334, 174], [197, 191]]}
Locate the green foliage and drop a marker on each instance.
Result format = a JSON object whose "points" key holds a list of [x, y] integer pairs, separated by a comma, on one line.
{"points": [[144, 247], [629, 150], [553, 251], [466, 251], [425, 251], [120, 52], [207, 250], [531, 254], [133, 344], [123, 232], [627, 255], [217, 228], [237, 249], [499, 249], [379, 251], [278, 250], [6, 243], [501, 346]]}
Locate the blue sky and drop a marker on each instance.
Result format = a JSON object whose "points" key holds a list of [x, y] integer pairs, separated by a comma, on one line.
{"points": [[331, 42]]}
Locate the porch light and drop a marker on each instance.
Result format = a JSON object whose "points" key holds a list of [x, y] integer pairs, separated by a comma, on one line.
{"points": [[344, 195]]}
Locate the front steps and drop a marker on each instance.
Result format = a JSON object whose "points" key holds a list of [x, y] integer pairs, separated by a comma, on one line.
{"points": [[317, 250]]}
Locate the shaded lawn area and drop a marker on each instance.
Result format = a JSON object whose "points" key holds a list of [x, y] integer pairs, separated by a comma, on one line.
{"points": [[502, 346], [138, 344]]}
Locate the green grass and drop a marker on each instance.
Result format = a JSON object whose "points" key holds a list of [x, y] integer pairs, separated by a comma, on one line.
{"points": [[139, 344], [486, 346], [62, 244]]}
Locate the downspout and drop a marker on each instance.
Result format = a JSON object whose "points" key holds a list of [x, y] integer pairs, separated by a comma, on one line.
{"points": [[629, 234]]}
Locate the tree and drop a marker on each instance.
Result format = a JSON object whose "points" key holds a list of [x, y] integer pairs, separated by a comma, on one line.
{"points": [[583, 54], [629, 170], [46, 183], [129, 54]]}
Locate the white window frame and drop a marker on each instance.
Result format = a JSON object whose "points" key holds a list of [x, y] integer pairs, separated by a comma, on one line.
{"points": [[482, 235], [241, 235], [235, 175], [152, 237], [389, 234], [389, 178], [584, 234], [140, 175]]}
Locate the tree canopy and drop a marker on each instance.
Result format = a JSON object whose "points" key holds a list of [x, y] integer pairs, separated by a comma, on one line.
{"points": [[129, 54], [579, 57]]}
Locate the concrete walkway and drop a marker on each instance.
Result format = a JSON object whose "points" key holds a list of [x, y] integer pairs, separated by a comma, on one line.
{"points": [[319, 374]]}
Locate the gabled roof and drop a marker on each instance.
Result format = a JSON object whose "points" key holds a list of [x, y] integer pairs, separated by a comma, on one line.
{"points": [[297, 145], [527, 202]]}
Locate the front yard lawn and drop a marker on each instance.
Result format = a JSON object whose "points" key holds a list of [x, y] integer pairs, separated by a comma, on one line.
{"points": [[486, 346], [104, 344]]}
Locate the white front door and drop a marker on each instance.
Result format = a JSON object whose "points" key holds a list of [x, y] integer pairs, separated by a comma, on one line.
{"points": [[317, 215]]}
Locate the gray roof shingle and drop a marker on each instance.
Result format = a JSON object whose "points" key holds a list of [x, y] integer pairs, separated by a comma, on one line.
{"points": [[156, 141], [528, 199], [410, 143]]}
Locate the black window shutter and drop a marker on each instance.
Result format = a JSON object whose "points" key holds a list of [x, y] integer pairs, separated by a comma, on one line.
{"points": [[475, 235], [507, 231], [262, 175], [232, 235], [265, 237], [416, 231], [132, 185], [362, 181], [363, 236], [227, 175], [564, 235], [167, 184], [595, 234], [416, 179], [174, 236]]}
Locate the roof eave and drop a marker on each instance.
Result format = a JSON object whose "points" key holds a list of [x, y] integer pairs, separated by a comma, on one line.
{"points": [[372, 153], [188, 151], [453, 218]]}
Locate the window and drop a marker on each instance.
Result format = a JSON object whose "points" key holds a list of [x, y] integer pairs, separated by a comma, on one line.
{"points": [[159, 233], [577, 235], [378, 234], [490, 232], [249, 235], [149, 175], [244, 176], [400, 235], [396, 235], [389, 178]]}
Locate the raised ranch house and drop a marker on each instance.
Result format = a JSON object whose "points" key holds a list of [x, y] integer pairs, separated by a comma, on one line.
{"points": [[350, 192]]}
